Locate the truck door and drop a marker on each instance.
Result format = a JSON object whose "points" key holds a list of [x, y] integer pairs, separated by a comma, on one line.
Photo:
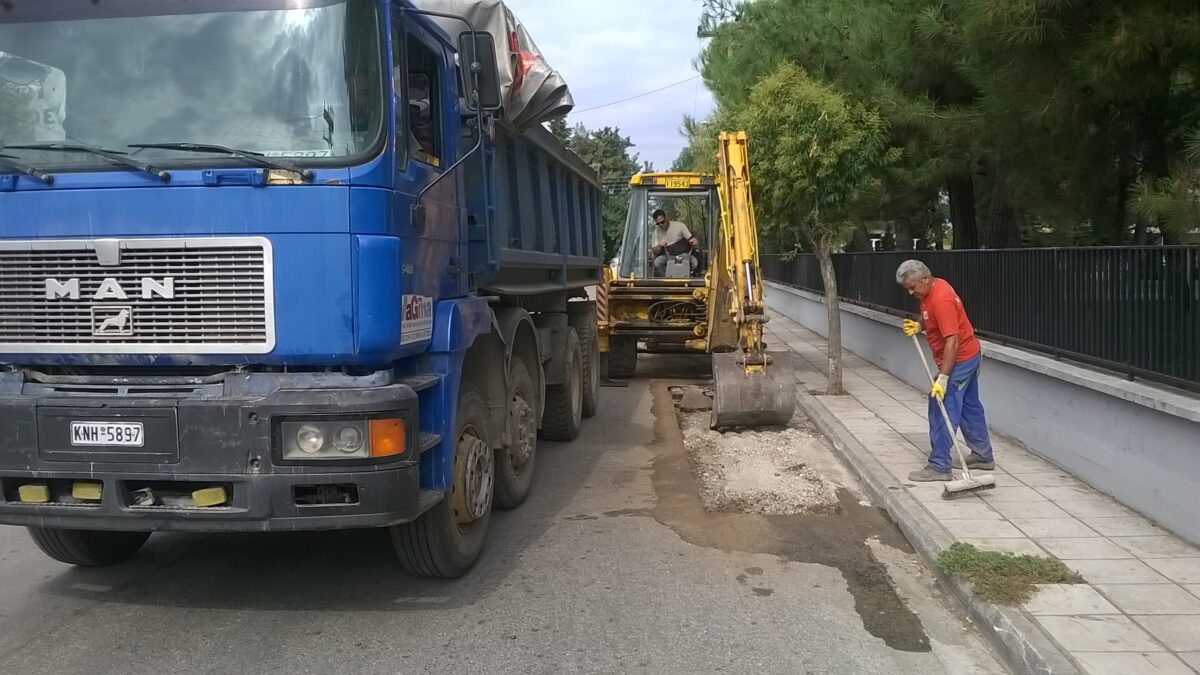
{"points": [[426, 144]]}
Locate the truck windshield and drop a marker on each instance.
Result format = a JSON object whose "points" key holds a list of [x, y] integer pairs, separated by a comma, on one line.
{"points": [[284, 78]]}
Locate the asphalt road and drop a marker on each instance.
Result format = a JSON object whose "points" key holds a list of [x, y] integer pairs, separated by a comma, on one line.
{"points": [[611, 566]]}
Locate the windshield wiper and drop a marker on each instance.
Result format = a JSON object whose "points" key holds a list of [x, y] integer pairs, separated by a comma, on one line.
{"points": [[77, 146], [257, 158], [33, 172]]}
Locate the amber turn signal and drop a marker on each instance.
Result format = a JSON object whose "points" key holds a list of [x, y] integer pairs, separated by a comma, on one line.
{"points": [[387, 438]]}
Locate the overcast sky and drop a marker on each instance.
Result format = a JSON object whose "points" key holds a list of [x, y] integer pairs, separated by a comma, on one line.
{"points": [[611, 50]]}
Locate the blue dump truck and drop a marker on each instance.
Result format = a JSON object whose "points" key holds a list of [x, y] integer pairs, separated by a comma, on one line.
{"points": [[276, 265]]}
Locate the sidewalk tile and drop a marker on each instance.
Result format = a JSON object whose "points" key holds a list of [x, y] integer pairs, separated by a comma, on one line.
{"points": [[1125, 526], [1192, 659], [1194, 589], [1089, 548], [1061, 528], [961, 508], [1014, 546], [1153, 663], [1029, 510], [1151, 598], [1103, 633], [1116, 572], [1094, 509], [984, 528], [1036, 480], [1068, 600], [928, 492], [1065, 494], [1011, 493], [1155, 547], [1178, 633], [1179, 570]]}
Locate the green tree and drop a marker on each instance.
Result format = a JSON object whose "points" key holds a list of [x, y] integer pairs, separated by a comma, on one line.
{"points": [[815, 158]]}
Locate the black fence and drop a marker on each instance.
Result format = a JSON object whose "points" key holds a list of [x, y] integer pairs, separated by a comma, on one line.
{"points": [[1135, 310]]}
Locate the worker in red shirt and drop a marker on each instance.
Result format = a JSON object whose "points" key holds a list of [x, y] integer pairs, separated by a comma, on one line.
{"points": [[957, 354]]}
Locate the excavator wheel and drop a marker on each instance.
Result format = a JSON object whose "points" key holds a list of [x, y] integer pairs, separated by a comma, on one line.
{"points": [[742, 399]]}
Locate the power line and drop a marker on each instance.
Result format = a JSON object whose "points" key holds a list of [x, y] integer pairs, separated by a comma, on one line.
{"points": [[646, 93]]}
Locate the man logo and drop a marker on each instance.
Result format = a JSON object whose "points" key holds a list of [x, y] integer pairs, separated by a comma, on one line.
{"points": [[110, 289], [112, 321]]}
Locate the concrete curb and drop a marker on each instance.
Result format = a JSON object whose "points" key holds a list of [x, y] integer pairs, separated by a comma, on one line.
{"points": [[1020, 641]]}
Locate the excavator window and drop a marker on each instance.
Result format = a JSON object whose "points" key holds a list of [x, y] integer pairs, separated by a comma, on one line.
{"points": [[695, 209]]}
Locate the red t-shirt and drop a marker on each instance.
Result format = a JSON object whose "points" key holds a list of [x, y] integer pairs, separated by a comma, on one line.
{"points": [[943, 315]]}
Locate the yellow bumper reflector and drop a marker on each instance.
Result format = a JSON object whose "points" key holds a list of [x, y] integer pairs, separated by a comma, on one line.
{"points": [[214, 496], [36, 493], [87, 492], [387, 438]]}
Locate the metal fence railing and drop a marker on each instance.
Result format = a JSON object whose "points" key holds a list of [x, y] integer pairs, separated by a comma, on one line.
{"points": [[1135, 310]]}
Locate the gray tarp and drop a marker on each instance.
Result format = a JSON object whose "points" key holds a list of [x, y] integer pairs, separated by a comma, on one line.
{"points": [[532, 91]]}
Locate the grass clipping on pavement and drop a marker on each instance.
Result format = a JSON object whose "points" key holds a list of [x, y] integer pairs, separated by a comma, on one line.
{"points": [[1004, 578]]}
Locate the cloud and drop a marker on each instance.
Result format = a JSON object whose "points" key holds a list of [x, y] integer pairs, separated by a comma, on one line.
{"points": [[621, 48]]}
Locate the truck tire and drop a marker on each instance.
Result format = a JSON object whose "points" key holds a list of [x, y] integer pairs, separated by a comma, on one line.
{"points": [[564, 402], [88, 548], [622, 357], [584, 324], [515, 462], [440, 544]]}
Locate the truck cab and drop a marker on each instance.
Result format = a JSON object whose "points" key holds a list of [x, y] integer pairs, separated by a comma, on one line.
{"points": [[252, 277]]}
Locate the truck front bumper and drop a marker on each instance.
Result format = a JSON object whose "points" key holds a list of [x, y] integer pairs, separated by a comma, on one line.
{"points": [[205, 442]]}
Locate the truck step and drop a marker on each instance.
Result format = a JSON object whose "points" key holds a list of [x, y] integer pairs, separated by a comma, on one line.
{"points": [[420, 382], [429, 441], [428, 498]]}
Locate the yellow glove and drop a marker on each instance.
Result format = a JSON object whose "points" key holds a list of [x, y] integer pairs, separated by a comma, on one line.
{"points": [[910, 327], [939, 387]]}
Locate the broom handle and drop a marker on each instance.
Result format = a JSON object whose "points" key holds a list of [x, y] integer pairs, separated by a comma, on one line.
{"points": [[945, 416]]}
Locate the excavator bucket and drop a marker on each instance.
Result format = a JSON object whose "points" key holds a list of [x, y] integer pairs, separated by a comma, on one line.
{"points": [[741, 398]]}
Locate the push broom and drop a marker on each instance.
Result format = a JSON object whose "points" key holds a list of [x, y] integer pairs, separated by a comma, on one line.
{"points": [[967, 483]]}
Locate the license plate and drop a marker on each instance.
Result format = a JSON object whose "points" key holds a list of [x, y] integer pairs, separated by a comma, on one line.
{"points": [[679, 183], [108, 434]]}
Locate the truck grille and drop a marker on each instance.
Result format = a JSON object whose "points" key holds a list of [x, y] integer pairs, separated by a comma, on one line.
{"points": [[137, 296]]}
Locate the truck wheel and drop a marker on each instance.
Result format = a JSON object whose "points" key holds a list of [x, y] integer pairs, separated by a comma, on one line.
{"points": [[446, 540], [564, 402], [514, 463], [88, 548], [584, 324], [622, 357]]}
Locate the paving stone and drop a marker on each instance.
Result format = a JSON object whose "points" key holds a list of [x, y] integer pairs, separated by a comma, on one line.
{"points": [[1100, 633], [1056, 479], [1155, 547], [1053, 527], [1194, 589], [1178, 633], [1015, 546], [1088, 548], [1151, 598], [1152, 663], [984, 528], [961, 508], [1116, 572], [1192, 659], [1067, 494], [1012, 493], [1029, 510], [1093, 508], [1124, 526], [1068, 599], [1179, 570]]}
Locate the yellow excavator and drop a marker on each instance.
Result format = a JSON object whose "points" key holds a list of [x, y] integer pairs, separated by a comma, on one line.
{"points": [[687, 280]]}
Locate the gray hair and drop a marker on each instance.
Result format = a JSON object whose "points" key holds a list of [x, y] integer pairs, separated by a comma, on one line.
{"points": [[912, 268]]}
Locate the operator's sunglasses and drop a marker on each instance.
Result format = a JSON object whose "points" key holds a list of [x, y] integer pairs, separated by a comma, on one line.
{"points": [[661, 222]]}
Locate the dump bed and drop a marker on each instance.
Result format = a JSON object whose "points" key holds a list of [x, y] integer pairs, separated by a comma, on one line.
{"points": [[541, 232]]}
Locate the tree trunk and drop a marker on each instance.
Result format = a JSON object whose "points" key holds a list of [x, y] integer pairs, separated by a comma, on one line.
{"points": [[862, 239], [1001, 228], [824, 254], [961, 189], [904, 233]]}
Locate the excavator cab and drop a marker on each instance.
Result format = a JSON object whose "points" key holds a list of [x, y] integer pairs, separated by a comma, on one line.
{"points": [[704, 300]]}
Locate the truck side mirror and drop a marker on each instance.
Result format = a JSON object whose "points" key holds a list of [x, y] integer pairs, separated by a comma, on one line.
{"points": [[479, 56]]}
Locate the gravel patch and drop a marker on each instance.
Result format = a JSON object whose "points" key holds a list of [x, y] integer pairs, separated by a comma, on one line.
{"points": [[778, 471]]}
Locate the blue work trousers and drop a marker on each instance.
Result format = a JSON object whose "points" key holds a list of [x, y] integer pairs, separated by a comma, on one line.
{"points": [[966, 413]]}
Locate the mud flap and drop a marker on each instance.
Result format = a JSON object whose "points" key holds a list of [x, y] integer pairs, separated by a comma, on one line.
{"points": [[763, 398]]}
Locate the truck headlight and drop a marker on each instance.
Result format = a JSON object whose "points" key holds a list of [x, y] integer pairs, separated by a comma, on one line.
{"points": [[342, 439]]}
